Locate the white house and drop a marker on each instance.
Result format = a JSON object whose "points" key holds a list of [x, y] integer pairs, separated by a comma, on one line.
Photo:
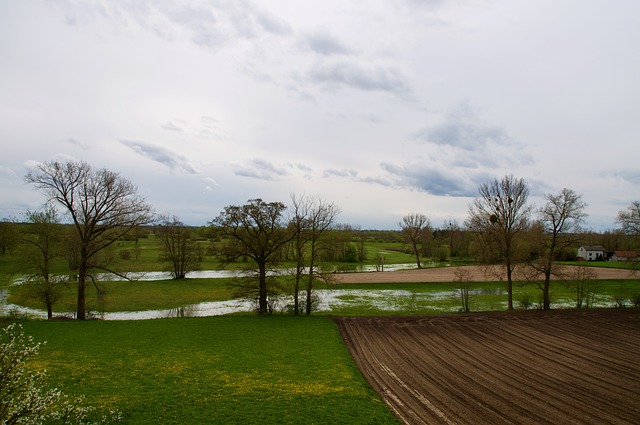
{"points": [[591, 253]]}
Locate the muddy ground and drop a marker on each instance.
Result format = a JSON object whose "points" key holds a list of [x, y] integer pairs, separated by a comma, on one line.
{"points": [[475, 273], [534, 367]]}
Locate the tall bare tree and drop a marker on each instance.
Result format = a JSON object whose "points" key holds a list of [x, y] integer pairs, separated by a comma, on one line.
{"points": [[561, 217], [415, 229], [312, 218], [255, 230], [500, 214], [102, 206], [180, 247]]}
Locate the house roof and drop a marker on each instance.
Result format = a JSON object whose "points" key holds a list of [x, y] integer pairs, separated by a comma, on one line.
{"points": [[626, 254], [593, 248]]}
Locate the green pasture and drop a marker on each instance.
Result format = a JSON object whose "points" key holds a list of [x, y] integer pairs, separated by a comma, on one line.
{"points": [[234, 369]]}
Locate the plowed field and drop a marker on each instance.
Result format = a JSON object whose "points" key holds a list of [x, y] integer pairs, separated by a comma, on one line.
{"points": [[475, 273], [557, 367]]}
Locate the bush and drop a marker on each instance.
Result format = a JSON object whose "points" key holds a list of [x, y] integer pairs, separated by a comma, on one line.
{"points": [[25, 398], [525, 301]]}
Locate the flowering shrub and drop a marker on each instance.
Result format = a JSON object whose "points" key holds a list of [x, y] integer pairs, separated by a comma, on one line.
{"points": [[24, 396]]}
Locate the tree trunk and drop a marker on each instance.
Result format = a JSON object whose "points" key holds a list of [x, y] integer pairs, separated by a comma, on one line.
{"points": [[546, 301], [509, 287], [262, 291], [81, 313]]}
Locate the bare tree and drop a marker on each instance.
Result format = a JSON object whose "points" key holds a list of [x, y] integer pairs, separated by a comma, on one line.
{"points": [[312, 218], [499, 215], [180, 247], [463, 288], [629, 220], [255, 230], [582, 280], [415, 228], [560, 218], [102, 206], [43, 237]]}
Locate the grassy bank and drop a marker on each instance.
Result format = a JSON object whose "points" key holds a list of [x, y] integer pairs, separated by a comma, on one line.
{"points": [[397, 298], [237, 369]]}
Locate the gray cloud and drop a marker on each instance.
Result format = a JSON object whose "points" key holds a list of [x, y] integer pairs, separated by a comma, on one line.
{"points": [[324, 43], [433, 181], [171, 126], [209, 23], [159, 154], [358, 76], [465, 140], [463, 128], [81, 145], [627, 175], [334, 172], [260, 169]]}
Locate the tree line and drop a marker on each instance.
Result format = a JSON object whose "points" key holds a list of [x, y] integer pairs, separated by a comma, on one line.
{"points": [[100, 207]]}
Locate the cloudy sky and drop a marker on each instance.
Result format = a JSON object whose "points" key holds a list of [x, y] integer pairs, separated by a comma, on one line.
{"points": [[382, 107]]}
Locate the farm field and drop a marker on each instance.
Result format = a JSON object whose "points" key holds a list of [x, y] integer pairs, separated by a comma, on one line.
{"points": [[475, 274], [497, 368]]}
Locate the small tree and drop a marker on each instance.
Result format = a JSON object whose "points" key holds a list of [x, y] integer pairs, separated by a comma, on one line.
{"points": [[25, 397], [43, 239], [463, 288], [180, 247], [415, 228], [102, 205], [582, 280], [256, 231]]}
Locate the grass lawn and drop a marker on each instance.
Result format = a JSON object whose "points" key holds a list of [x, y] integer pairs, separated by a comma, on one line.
{"points": [[135, 296], [233, 369]]}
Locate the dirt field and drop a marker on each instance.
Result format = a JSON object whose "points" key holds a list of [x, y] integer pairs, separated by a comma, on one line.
{"points": [[448, 274], [557, 367]]}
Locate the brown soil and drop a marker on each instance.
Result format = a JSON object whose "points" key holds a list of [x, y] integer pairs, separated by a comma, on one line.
{"points": [[448, 274], [557, 367]]}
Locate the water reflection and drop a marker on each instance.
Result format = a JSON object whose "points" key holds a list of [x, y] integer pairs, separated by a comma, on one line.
{"points": [[216, 274]]}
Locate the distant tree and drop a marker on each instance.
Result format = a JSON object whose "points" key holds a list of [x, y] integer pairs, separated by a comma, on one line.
{"points": [[312, 219], [560, 218], [8, 235], [43, 244], [454, 232], [180, 247], [257, 231], [102, 206], [629, 219], [415, 228], [499, 215]]}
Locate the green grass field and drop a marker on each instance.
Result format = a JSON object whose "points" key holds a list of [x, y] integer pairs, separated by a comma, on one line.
{"points": [[234, 369]]}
